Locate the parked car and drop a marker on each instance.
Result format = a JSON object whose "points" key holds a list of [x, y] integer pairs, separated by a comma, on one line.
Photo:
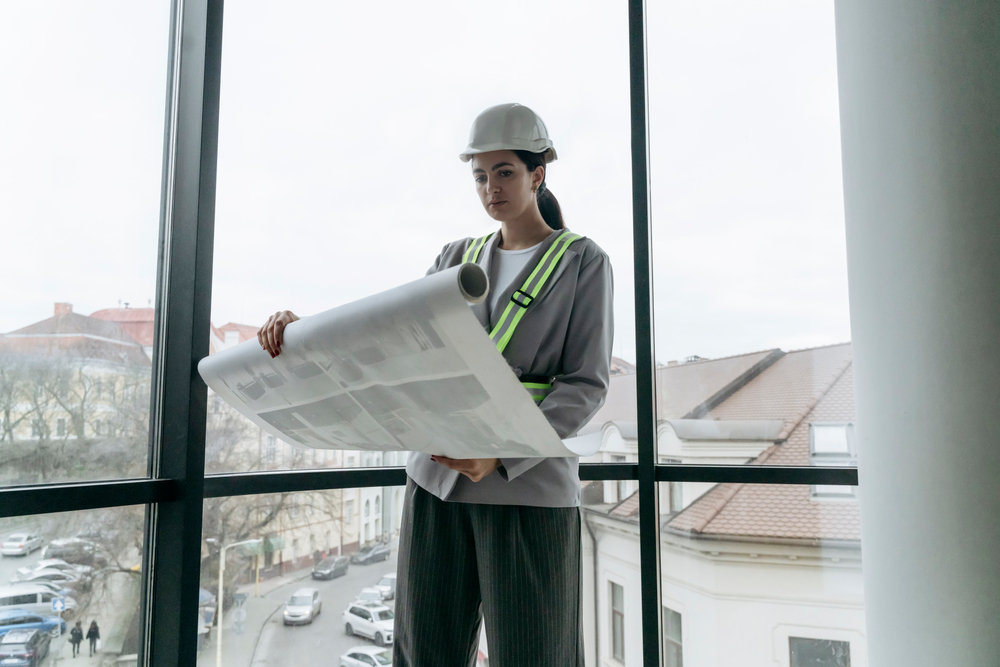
{"points": [[58, 564], [387, 586], [374, 621], [328, 568], [21, 619], [32, 597], [367, 656], [58, 589], [20, 544], [59, 577], [371, 553], [75, 550], [24, 648], [303, 606], [370, 594]]}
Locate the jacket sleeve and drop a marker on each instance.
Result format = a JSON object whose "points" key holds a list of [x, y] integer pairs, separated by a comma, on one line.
{"points": [[579, 392]]}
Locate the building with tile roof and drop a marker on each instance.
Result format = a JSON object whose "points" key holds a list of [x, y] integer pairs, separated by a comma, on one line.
{"points": [[136, 322], [756, 565], [74, 398]]}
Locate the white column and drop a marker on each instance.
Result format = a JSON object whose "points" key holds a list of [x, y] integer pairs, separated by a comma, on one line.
{"points": [[920, 118]]}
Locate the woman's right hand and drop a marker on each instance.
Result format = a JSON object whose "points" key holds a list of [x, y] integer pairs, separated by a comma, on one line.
{"points": [[271, 335]]}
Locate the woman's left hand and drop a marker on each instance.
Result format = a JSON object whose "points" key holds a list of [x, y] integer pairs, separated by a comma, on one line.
{"points": [[474, 469]]}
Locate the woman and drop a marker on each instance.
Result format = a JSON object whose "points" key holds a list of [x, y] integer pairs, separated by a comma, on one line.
{"points": [[93, 634], [499, 539], [76, 637]]}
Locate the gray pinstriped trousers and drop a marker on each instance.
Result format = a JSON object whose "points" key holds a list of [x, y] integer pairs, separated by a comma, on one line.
{"points": [[518, 568]]}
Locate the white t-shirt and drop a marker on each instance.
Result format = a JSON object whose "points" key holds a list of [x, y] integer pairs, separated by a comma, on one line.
{"points": [[504, 267]]}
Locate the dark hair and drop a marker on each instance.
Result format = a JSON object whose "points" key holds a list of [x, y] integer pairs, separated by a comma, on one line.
{"points": [[548, 206]]}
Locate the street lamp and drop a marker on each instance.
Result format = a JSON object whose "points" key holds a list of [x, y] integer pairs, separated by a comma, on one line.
{"points": [[218, 612]]}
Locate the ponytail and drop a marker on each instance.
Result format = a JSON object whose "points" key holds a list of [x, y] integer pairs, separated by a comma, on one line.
{"points": [[548, 205]]}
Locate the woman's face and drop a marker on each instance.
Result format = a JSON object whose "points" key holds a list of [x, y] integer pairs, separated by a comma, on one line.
{"points": [[504, 184]]}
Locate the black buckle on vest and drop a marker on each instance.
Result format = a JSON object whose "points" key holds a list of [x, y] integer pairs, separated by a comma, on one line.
{"points": [[527, 298]]}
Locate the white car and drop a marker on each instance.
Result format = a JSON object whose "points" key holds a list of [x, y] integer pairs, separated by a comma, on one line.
{"points": [[374, 621], [53, 587], [370, 594], [20, 544], [387, 586], [366, 656], [60, 577], [34, 598], [57, 564], [303, 606]]}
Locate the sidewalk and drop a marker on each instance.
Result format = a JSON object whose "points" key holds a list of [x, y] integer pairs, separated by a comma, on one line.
{"points": [[238, 649], [112, 617]]}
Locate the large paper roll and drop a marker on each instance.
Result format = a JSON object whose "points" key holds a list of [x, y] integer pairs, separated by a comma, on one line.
{"points": [[408, 369]]}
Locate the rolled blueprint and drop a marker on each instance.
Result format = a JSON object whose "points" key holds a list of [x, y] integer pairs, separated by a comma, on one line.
{"points": [[408, 369]]}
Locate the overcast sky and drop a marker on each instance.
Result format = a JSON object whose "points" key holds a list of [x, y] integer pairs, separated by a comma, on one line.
{"points": [[338, 169]]}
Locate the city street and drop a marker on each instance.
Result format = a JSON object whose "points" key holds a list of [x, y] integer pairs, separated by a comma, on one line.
{"points": [[268, 642], [112, 611]]}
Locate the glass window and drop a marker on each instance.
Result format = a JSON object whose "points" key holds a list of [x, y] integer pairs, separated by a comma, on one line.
{"points": [[673, 654], [830, 439], [82, 141], [617, 599], [313, 177], [101, 580], [746, 565], [270, 572], [819, 652], [751, 303]]}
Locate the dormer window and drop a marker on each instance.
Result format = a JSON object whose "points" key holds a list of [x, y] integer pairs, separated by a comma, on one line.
{"points": [[832, 444]]}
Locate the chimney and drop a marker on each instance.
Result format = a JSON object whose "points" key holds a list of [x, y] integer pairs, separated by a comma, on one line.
{"points": [[63, 309]]}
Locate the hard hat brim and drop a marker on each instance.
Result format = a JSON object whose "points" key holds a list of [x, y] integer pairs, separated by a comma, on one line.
{"points": [[466, 155]]}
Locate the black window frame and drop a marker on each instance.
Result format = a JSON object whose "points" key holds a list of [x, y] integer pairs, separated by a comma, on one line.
{"points": [[176, 485]]}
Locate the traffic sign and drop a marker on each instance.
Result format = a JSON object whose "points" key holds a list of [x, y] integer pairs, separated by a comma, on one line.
{"points": [[58, 604]]}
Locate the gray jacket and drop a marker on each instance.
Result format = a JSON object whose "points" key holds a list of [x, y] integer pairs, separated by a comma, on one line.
{"points": [[566, 333]]}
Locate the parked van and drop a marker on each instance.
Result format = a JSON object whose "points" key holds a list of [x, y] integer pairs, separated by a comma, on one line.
{"points": [[32, 597]]}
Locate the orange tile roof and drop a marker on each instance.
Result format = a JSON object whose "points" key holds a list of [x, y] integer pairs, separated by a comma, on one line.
{"points": [[136, 322], [804, 386], [680, 388], [818, 385], [77, 336]]}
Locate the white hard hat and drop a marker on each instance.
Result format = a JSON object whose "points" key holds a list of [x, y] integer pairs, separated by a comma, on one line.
{"points": [[509, 127]]}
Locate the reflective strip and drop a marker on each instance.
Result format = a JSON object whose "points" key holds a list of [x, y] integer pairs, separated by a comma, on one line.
{"points": [[538, 390], [475, 248], [523, 297]]}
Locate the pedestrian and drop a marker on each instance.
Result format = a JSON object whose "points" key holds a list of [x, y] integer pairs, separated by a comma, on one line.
{"points": [[94, 635], [76, 637], [497, 540]]}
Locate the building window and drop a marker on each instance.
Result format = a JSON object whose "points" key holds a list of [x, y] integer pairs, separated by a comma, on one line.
{"points": [[97, 427], [270, 450], [673, 655], [349, 510], [377, 504], [622, 484], [676, 496], [60, 427], [617, 595], [368, 509], [819, 652], [37, 428], [832, 445]]}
